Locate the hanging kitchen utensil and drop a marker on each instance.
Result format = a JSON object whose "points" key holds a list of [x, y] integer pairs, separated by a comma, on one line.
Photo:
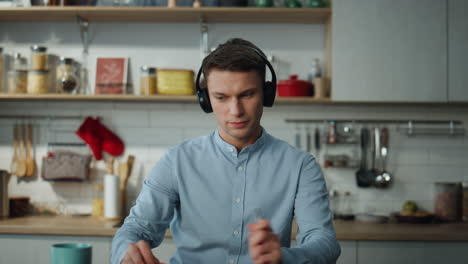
{"points": [[384, 179], [317, 144], [376, 154], [21, 166], [30, 163], [364, 177], [308, 140], [297, 138], [14, 159]]}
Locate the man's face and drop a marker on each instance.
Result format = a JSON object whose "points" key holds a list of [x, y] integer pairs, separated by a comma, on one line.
{"points": [[237, 102]]}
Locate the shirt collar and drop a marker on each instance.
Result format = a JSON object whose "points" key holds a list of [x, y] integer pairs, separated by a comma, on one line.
{"points": [[232, 149]]}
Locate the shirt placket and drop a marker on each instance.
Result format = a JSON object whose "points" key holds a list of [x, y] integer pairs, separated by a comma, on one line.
{"points": [[238, 195]]}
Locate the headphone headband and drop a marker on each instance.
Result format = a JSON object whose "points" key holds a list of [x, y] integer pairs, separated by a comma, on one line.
{"points": [[269, 87]]}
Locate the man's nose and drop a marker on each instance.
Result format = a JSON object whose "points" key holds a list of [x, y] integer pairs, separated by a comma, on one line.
{"points": [[236, 108]]}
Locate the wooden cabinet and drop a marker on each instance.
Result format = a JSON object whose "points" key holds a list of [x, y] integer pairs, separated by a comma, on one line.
{"points": [[458, 50], [393, 51]]}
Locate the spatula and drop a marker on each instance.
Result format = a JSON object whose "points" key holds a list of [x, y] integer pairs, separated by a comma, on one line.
{"points": [[21, 166], [30, 163], [14, 159]]}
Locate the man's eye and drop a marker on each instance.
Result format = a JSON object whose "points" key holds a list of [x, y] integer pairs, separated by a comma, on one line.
{"points": [[219, 97]]}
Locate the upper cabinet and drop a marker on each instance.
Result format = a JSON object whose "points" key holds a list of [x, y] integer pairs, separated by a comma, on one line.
{"points": [[458, 50], [391, 51]]}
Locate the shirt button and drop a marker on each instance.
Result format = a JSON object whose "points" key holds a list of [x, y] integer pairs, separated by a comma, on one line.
{"points": [[231, 150], [235, 233], [231, 261], [238, 200], [240, 169]]}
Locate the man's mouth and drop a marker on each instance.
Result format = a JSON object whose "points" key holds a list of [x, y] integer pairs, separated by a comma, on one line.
{"points": [[238, 124]]}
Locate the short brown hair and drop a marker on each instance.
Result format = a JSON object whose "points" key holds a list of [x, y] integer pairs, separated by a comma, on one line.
{"points": [[235, 55]]}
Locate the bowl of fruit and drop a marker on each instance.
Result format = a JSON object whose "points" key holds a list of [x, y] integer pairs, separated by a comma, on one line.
{"points": [[410, 213]]}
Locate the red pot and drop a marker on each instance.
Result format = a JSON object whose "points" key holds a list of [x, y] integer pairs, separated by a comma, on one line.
{"points": [[294, 87]]}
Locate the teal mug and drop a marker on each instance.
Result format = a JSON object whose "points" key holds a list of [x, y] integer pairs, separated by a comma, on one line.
{"points": [[71, 253]]}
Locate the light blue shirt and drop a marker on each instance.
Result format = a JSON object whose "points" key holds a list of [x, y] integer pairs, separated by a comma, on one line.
{"points": [[207, 193]]}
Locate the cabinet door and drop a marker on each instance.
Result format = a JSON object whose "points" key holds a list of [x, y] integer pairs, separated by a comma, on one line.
{"points": [[348, 252], [458, 50], [389, 50]]}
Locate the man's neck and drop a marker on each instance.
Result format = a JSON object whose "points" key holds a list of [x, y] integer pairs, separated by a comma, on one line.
{"points": [[241, 144]]}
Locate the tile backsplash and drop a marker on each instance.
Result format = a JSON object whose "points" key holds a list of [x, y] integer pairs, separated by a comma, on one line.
{"points": [[149, 129]]}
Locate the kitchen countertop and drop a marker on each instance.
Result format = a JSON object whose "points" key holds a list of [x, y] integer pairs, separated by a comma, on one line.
{"points": [[345, 230]]}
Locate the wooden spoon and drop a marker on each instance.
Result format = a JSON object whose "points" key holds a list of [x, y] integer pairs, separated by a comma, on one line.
{"points": [[21, 167], [125, 169], [14, 159], [30, 163]]}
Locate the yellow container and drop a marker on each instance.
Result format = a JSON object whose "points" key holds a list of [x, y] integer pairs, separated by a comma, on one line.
{"points": [[175, 82]]}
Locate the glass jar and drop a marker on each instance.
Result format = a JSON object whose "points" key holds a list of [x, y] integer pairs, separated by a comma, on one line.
{"points": [[147, 80], [19, 63], [17, 81], [38, 58], [67, 80], [38, 82], [448, 202]]}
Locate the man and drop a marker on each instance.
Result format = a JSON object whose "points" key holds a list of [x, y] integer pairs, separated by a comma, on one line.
{"points": [[230, 197]]}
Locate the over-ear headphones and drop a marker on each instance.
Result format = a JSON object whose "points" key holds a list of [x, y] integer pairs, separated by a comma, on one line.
{"points": [[269, 87]]}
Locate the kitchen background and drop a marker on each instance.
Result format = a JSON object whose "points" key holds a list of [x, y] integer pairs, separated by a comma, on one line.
{"points": [[149, 129]]}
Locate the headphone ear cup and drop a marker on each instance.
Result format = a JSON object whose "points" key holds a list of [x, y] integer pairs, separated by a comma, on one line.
{"points": [[269, 93], [204, 100]]}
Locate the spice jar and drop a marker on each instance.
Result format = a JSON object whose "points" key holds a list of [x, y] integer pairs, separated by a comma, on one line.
{"points": [[67, 80], [38, 58], [38, 82], [17, 81], [147, 80], [448, 201]]}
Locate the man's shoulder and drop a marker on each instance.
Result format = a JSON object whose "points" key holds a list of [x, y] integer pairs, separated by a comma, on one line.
{"points": [[197, 143], [283, 148]]}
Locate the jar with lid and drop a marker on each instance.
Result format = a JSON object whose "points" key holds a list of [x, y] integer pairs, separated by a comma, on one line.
{"points": [[448, 202], [147, 80], [38, 57], [38, 81], [67, 80], [17, 81]]}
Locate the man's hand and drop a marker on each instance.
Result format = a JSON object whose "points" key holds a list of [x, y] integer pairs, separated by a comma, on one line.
{"points": [[264, 245], [139, 253]]}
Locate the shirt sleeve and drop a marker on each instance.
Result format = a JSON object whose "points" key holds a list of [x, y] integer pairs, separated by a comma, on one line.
{"points": [[316, 237], [152, 213]]}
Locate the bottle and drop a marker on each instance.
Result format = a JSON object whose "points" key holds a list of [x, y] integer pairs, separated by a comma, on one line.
{"points": [[147, 80], [315, 71], [98, 200], [331, 137]]}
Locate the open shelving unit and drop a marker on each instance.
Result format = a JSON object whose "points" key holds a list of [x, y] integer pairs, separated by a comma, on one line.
{"points": [[170, 15], [201, 15]]}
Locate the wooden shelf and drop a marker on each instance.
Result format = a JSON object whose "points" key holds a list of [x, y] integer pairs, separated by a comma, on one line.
{"points": [[171, 15], [137, 98]]}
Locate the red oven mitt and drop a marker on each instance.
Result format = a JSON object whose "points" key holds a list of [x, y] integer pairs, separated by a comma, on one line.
{"points": [[99, 138]]}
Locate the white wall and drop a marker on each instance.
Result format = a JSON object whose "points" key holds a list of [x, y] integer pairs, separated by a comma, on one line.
{"points": [[148, 129]]}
